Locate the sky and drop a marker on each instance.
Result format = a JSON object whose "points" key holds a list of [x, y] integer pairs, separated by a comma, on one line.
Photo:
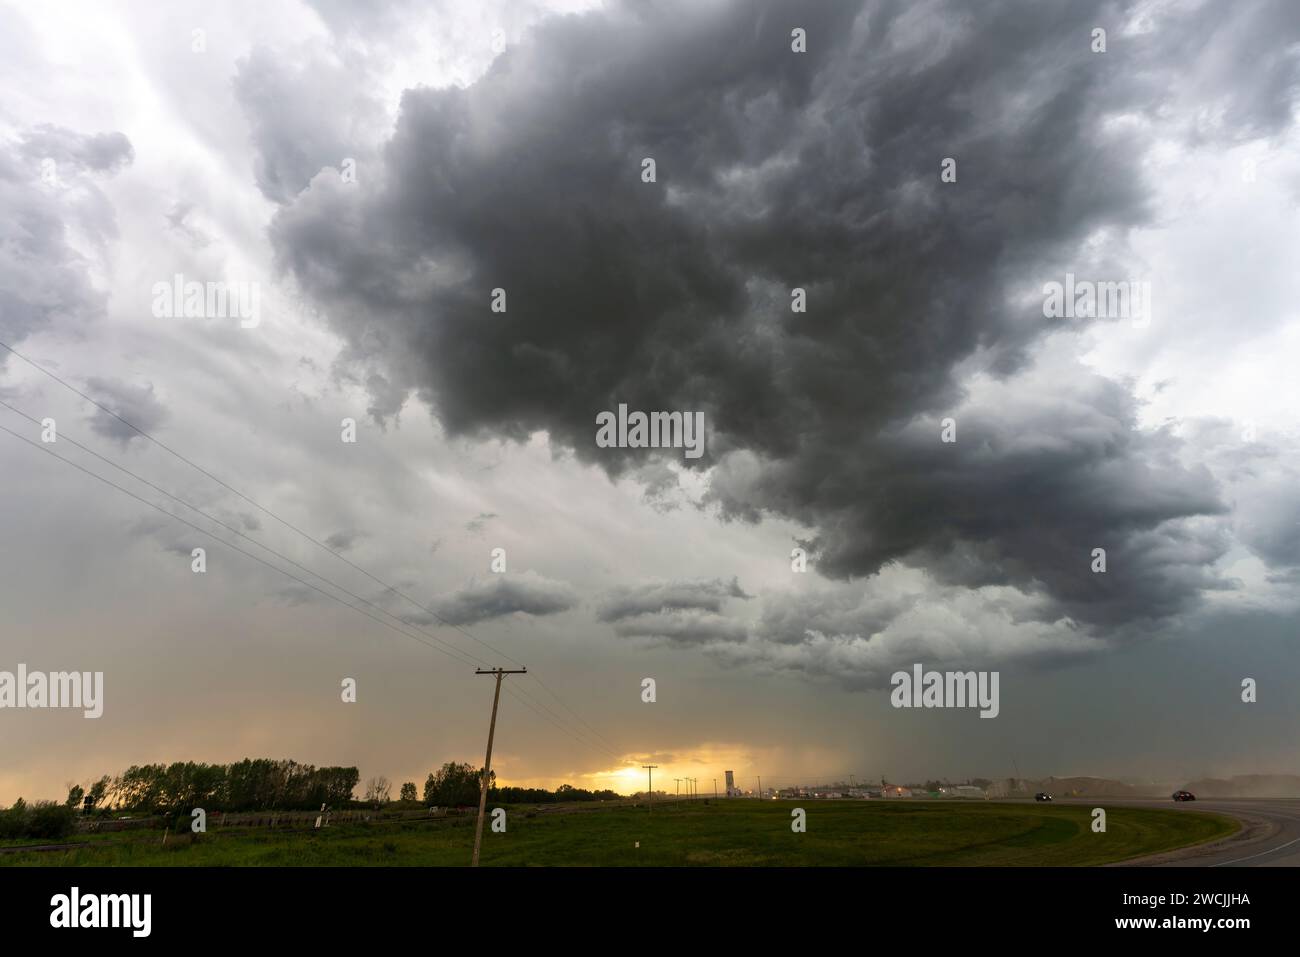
{"points": [[841, 259]]}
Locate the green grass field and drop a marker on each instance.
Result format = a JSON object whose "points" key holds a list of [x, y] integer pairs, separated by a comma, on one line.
{"points": [[717, 834]]}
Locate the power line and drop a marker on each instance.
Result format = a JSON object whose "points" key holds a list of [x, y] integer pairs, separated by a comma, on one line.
{"points": [[423, 609], [541, 714], [231, 528], [250, 501], [570, 710], [454, 653], [557, 720], [451, 651], [209, 534]]}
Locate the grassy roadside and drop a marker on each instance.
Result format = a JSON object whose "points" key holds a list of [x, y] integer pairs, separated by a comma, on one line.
{"points": [[735, 833]]}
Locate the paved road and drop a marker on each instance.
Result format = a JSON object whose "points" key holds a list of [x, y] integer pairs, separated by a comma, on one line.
{"points": [[1270, 836]]}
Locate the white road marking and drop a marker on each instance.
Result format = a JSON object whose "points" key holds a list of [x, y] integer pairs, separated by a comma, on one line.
{"points": [[1260, 854]]}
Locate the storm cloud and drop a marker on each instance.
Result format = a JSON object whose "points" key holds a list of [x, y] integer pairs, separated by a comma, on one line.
{"points": [[500, 144], [705, 595], [528, 593], [779, 170]]}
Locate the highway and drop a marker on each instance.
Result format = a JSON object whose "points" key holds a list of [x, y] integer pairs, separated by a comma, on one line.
{"points": [[1270, 836]]}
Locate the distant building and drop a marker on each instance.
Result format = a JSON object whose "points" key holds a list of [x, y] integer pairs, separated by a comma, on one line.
{"points": [[731, 784]]}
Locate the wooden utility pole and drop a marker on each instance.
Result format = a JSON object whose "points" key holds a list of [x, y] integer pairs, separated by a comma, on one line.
{"points": [[760, 787], [715, 789], [650, 774], [487, 762]]}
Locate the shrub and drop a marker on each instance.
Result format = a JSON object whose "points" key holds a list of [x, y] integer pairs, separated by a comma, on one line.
{"points": [[50, 821], [13, 822]]}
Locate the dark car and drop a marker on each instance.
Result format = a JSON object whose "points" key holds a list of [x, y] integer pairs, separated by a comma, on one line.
{"points": [[1042, 796], [1184, 796]]}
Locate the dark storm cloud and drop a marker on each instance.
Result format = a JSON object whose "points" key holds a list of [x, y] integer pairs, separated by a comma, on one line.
{"points": [[136, 404], [1036, 480], [821, 171], [47, 189], [505, 595], [700, 595]]}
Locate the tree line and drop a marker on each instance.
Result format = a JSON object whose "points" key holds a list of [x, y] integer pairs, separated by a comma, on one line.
{"points": [[253, 784], [456, 785], [261, 784]]}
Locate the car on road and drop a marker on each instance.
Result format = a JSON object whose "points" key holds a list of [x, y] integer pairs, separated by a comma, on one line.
{"points": [[1042, 796], [1184, 796]]}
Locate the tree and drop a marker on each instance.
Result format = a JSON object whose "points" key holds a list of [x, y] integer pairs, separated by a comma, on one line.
{"points": [[75, 795], [455, 785], [408, 791], [98, 791], [378, 789], [13, 822]]}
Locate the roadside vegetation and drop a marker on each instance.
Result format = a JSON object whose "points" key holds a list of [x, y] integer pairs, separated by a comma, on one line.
{"points": [[701, 833]]}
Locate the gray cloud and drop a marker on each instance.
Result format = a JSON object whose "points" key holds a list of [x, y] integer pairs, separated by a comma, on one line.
{"points": [[660, 486], [690, 628], [177, 218], [479, 522], [342, 541], [136, 404], [821, 171], [44, 279], [526, 593], [307, 113], [792, 619], [97, 152], [698, 595], [1043, 471], [682, 613]]}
